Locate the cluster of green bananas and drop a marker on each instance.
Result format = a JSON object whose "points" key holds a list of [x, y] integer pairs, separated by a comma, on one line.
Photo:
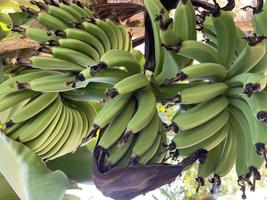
{"points": [[222, 92], [46, 123], [219, 84], [48, 99], [132, 132]]}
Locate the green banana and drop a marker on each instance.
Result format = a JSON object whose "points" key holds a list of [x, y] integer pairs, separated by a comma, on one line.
{"points": [[61, 14], [84, 36], [50, 22], [34, 107], [225, 30], [37, 142], [17, 83], [52, 83], [116, 153], [129, 84], [146, 137], [64, 124], [112, 109], [207, 144], [203, 71], [73, 56], [196, 50], [228, 156], [247, 59], [39, 35], [117, 58], [39, 123], [125, 38], [116, 128], [145, 112], [52, 63], [149, 154], [116, 29], [98, 33], [154, 8], [243, 79], [12, 99], [200, 133], [198, 94], [76, 14], [185, 17], [77, 45], [109, 32], [208, 167], [60, 140], [200, 114]]}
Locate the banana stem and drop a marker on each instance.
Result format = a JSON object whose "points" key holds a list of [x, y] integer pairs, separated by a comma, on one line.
{"points": [[200, 183], [261, 150], [216, 182], [254, 39], [40, 5], [250, 88], [32, 13], [176, 99], [262, 116], [97, 68], [241, 183]]}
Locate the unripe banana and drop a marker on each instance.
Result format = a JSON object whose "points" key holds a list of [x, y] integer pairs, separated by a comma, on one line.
{"points": [[117, 126], [52, 63], [146, 137], [111, 110], [98, 33], [200, 114], [34, 107], [144, 114], [78, 45], [247, 59], [117, 58], [61, 14], [73, 56], [50, 22], [148, 155], [200, 133], [12, 99], [39, 35], [128, 85], [207, 144], [203, 71], [225, 31]]}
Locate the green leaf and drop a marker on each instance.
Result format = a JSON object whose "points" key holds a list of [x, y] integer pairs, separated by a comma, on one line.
{"points": [[19, 18], [27, 174], [6, 191], [77, 166]]}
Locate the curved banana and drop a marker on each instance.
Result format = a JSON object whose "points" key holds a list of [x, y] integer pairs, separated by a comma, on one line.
{"points": [[200, 133], [128, 85]]}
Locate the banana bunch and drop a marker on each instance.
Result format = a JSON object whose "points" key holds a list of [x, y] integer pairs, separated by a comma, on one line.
{"points": [[131, 130], [222, 94], [167, 32], [77, 44], [46, 123], [48, 103]]}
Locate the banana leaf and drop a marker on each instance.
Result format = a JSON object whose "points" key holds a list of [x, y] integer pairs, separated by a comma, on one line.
{"points": [[6, 191], [77, 166], [28, 175]]}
